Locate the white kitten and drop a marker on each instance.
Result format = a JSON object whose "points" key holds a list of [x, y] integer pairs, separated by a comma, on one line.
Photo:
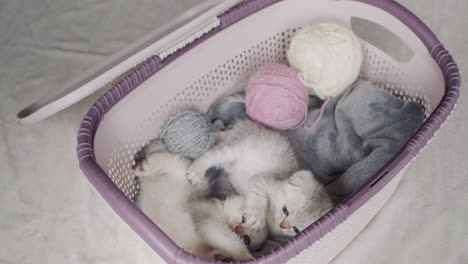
{"points": [[261, 165], [245, 150], [207, 228]]}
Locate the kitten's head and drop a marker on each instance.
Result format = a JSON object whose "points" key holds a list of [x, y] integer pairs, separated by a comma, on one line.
{"points": [[300, 202], [234, 208]]}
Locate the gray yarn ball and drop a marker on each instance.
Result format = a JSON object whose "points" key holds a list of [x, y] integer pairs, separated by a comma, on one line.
{"points": [[189, 134]]}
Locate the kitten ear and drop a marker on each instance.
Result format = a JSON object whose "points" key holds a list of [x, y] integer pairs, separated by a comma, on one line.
{"points": [[303, 180]]}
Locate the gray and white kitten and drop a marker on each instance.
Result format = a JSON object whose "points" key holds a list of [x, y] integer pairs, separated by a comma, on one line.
{"points": [[262, 167], [209, 228]]}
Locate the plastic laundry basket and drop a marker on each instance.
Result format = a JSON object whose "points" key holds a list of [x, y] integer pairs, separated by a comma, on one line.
{"points": [[201, 61]]}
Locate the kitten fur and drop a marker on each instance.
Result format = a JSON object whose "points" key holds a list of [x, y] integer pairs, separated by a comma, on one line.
{"points": [[261, 165], [201, 226]]}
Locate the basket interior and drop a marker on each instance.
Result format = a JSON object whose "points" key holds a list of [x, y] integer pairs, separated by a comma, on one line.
{"points": [[203, 74]]}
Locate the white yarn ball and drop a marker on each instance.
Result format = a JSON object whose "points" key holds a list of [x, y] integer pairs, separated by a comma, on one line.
{"points": [[327, 56]]}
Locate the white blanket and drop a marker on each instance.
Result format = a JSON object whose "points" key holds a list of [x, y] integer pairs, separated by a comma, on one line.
{"points": [[51, 214]]}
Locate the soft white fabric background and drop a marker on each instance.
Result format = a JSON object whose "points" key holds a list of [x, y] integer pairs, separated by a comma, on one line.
{"points": [[50, 214]]}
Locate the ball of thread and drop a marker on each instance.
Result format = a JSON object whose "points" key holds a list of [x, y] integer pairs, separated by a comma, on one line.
{"points": [[189, 134], [276, 98], [327, 56]]}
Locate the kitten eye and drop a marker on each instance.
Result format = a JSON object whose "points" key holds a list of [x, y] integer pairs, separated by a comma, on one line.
{"points": [[296, 230], [285, 210], [247, 240]]}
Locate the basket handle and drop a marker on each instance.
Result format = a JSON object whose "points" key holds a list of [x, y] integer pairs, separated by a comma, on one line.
{"points": [[165, 40], [411, 21]]}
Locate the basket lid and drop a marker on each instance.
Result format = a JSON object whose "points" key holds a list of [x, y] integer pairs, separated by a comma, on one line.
{"points": [[176, 34]]}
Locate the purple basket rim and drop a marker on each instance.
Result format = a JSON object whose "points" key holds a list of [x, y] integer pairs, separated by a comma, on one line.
{"points": [[164, 246]]}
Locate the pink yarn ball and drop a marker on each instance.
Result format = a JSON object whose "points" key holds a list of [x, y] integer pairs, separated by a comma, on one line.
{"points": [[276, 98]]}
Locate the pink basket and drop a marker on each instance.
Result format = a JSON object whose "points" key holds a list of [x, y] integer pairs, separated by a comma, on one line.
{"points": [[195, 74]]}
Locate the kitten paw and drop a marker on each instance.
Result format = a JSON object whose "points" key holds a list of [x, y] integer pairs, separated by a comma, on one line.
{"points": [[140, 167], [195, 174], [253, 219]]}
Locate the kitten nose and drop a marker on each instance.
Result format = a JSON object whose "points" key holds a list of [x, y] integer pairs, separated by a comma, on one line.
{"points": [[238, 230], [284, 224]]}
